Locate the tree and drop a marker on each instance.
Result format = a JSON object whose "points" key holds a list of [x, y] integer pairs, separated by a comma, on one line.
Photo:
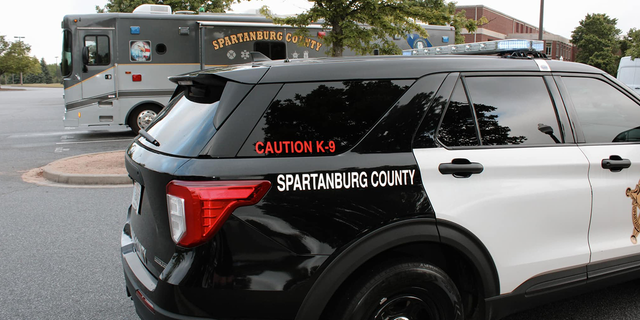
{"points": [[14, 58], [43, 76], [176, 5], [596, 39], [46, 75], [367, 25], [54, 70], [634, 47]]}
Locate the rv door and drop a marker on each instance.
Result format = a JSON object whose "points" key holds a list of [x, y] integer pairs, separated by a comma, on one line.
{"points": [[97, 74]]}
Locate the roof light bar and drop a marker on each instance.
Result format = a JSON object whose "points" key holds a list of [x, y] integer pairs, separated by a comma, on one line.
{"points": [[487, 47]]}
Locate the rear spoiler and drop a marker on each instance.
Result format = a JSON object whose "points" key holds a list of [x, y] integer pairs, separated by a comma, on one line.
{"points": [[200, 88], [203, 86]]}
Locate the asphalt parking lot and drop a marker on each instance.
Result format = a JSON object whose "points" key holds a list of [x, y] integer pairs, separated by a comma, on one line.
{"points": [[60, 245]]}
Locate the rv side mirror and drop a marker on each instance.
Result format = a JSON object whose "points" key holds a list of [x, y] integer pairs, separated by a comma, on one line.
{"points": [[85, 58]]}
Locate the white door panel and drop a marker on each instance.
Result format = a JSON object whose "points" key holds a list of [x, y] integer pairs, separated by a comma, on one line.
{"points": [[530, 206], [612, 221], [609, 121]]}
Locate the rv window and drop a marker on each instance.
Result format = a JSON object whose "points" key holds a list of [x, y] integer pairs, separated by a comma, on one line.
{"points": [[65, 63], [98, 46], [273, 49]]}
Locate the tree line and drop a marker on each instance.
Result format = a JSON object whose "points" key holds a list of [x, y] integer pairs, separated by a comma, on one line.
{"points": [[15, 60], [600, 43]]}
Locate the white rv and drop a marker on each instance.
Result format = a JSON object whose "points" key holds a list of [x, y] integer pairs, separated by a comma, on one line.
{"points": [[629, 73], [115, 65]]}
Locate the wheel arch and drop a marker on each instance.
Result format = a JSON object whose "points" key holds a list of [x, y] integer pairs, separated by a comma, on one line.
{"points": [[423, 232]]}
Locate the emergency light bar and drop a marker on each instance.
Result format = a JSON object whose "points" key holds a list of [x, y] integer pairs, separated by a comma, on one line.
{"points": [[487, 47]]}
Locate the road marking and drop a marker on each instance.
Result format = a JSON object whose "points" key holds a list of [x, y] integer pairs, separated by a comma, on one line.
{"points": [[47, 134], [61, 149], [92, 141]]}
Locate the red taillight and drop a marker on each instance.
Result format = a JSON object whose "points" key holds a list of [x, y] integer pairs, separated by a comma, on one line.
{"points": [[145, 301], [198, 209], [136, 77]]}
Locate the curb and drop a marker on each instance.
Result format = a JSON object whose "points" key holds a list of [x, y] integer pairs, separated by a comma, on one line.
{"points": [[83, 179]]}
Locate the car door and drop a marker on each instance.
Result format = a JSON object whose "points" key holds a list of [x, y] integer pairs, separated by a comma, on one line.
{"points": [[497, 164], [607, 118]]}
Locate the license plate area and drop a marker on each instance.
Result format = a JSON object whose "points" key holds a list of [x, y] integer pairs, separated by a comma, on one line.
{"points": [[136, 199]]}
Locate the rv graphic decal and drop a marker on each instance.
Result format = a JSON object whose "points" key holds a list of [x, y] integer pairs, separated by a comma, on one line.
{"points": [[265, 35], [140, 51]]}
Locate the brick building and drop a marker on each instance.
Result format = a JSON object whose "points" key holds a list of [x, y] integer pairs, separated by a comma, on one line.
{"points": [[502, 26]]}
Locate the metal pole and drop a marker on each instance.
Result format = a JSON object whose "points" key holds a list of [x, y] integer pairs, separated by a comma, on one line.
{"points": [[541, 31], [20, 41], [202, 48]]}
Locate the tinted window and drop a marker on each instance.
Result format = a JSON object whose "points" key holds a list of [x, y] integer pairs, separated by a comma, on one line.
{"points": [[605, 114], [273, 49], [65, 63], [513, 110], [458, 127], [321, 118], [98, 50]]}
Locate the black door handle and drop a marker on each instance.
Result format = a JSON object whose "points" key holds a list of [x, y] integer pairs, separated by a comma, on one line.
{"points": [[460, 168], [615, 163]]}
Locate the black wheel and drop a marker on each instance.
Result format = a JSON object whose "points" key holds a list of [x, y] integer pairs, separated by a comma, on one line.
{"points": [[400, 291], [142, 116]]}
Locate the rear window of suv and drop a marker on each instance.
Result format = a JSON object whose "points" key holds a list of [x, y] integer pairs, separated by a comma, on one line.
{"points": [[183, 128], [187, 124], [321, 118]]}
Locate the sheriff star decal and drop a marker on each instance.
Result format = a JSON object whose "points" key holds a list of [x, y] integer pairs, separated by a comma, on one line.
{"points": [[635, 218]]}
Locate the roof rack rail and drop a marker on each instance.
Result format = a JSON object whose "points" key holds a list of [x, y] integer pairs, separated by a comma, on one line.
{"points": [[509, 48]]}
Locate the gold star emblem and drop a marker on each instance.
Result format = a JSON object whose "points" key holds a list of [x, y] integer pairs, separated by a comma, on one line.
{"points": [[635, 219]]}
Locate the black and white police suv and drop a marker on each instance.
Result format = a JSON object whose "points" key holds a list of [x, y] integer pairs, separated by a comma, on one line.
{"points": [[383, 188]]}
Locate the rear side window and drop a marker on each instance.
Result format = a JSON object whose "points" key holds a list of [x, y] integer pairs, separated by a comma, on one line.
{"points": [[458, 126], [500, 111], [321, 118], [513, 110]]}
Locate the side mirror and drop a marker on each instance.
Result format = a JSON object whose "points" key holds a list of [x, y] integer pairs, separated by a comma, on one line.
{"points": [[85, 58], [548, 130]]}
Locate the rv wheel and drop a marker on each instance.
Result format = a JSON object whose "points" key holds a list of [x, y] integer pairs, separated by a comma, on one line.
{"points": [[142, 116]]}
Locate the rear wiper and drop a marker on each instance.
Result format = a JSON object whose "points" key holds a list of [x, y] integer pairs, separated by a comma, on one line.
{"points": [[149, 138]]}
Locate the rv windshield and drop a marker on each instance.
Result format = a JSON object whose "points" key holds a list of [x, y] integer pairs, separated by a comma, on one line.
{"points": [[65, 63]]}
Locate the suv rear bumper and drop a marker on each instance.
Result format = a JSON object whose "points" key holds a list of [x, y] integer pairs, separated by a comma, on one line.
{"points": [[141, 284]]}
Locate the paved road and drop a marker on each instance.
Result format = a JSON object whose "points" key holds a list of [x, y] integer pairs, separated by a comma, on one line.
{"points": [[59, 247]]}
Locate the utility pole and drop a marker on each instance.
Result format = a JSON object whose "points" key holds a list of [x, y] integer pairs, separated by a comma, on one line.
{"points": [[541, 31], [20, 41]]}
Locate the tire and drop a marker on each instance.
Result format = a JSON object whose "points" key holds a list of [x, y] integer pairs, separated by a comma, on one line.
{"points": [[400, 291], [141, 116]]}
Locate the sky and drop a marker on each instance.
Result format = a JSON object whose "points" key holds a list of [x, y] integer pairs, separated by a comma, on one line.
{"points": [[39, 21]]}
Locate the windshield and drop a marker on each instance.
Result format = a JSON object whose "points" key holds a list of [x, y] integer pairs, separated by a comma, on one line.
{"points": [[65, 63], [184, 128]]}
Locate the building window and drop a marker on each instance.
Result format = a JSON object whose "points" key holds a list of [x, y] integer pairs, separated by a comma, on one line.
{"points": [[548, 49]]}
